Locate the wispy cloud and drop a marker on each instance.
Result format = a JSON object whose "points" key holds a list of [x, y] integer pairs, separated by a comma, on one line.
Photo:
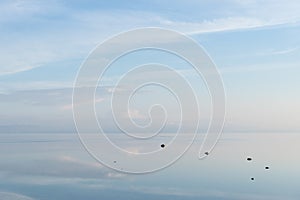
{"points": [[218, 25], [258, 67], [283, 51], [62, 166], [13, 196], [207, 194], [135, 114], [79, 30]]}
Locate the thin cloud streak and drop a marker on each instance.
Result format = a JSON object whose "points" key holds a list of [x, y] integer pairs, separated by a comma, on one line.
{"points": [[48, 44]]}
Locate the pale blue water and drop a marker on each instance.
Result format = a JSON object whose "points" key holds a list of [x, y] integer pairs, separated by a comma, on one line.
{"points": [[56, 166]]}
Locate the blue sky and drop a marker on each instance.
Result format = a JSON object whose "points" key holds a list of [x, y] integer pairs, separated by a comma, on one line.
{"points": [[255, 45]]}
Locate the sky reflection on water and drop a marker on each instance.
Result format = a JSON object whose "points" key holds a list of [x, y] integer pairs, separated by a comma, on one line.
{"points": [[56, 166]]}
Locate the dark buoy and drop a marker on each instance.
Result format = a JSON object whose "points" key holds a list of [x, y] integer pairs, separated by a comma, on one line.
{"points": [[249, 159], [115, 161], [206, 153], [267, 167], [252, 179], [162, 145]]}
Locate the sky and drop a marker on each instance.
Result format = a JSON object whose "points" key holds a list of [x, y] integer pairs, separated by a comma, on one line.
{"points": [[254, 44]]}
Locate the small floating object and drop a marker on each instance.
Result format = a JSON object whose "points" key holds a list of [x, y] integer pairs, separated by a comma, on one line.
{"points": [[115, 161], [267, 167], [162, 145], [206, 153], [249, 159], [252, 179]]}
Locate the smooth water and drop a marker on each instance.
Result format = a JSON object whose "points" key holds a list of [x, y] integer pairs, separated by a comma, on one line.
{"points": [[56, 166]]}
